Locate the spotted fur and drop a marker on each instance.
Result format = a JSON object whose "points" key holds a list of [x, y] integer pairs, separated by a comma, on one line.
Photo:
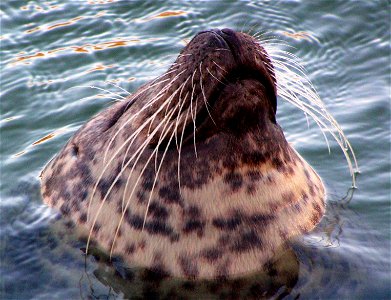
{"points": [[242, 190]]}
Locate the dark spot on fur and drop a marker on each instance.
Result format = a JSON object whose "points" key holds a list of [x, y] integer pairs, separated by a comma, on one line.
{"points": [[278, 164], [134, 221], [174, 237], [211, 254], [158, 211], [227, 224], [290, 170], [170, 194], [130, 249], [193, 212], [230, 162], [254, 158], [223, 240], [305, 197], [83, 218], [312, 189], [142, 244], [96, 228], [289, 197], [65, 208], [246, 241], [189, 266], [141, 196], [254, 175], [194, 225], [260, 219], [317, 215], [307, 174], [157, 227], [147, 184], [234, 180], [79, 192], [103, 187], [298, 207], [69, 224]]}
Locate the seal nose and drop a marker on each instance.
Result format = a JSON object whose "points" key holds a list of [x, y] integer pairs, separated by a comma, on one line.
{"points": [[217, 35]]}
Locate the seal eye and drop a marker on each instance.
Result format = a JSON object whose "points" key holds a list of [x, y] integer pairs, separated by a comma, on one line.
{"points": [[75, 151]]}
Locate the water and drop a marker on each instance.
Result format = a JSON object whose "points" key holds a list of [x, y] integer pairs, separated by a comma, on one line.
{"points": [[50, 48]]}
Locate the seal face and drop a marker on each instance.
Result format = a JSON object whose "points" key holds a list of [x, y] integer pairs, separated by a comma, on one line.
{"points": [[190, 176]]}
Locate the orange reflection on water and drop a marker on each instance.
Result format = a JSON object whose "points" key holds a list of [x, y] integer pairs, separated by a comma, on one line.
{"points": [[41, 140], [54, 26], [300, 35], [36, 55], [87, 48], [168, 13], [99, 67], [164, 14], [44, 139], [41, 9], [35, 29], [19, 153]]}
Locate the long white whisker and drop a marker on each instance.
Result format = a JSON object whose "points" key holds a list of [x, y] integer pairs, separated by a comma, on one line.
{"points": [[203, 95], [120, 98], [117, 86]]}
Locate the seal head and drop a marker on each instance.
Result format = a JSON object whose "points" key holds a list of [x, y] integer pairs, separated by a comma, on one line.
{"points": [[190, 176]]}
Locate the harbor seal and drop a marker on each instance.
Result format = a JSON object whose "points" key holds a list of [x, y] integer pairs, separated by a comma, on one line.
{"points": [[191, 175]]}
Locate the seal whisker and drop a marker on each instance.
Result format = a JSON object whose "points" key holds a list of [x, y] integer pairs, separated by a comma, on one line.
{"points": [[222, 49], [155, 151], [156, 176], [221, 68], [292, 98], [191, 111], [120, 98], [337, 139], [215, 77], [115, 181], [117, 86], [291, 81], [119, 149], [131, 194], [180, 146], [139, 152], [147, 104], [166, 103], [180, 109], [203, 95], [168, 117]]}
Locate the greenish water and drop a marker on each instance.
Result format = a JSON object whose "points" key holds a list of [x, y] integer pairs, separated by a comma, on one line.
{"points": [[51, 48]]}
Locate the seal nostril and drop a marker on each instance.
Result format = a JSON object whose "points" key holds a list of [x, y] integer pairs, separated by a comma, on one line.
{"points": [[216, 30], [228, 31]]}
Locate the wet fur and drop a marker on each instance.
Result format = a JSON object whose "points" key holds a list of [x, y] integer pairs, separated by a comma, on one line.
{"points": [[242, 190]]}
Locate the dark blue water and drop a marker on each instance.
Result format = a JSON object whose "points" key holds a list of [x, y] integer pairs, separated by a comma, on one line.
{"points": [[49, 49]]}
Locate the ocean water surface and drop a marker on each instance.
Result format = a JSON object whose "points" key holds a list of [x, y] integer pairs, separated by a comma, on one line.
{"points": [[64, 61]]}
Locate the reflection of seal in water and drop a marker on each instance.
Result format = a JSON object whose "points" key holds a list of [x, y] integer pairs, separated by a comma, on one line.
{"points": [[191, 175]]}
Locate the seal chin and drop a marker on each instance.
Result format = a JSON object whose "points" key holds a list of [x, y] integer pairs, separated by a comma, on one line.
{"points": [[191, 175]]}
